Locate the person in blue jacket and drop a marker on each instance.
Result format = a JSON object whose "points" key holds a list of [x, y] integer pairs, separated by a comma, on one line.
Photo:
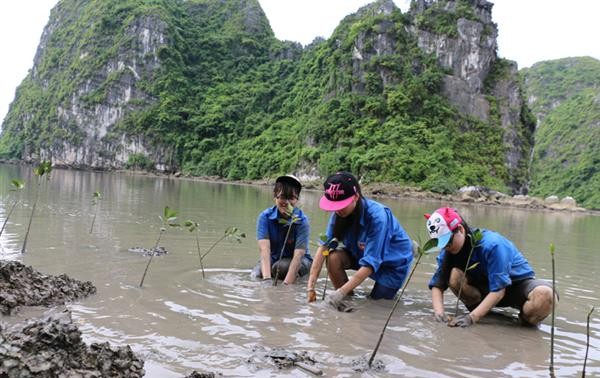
{"points": [[272, 229], [374, 243], [498, 274]]}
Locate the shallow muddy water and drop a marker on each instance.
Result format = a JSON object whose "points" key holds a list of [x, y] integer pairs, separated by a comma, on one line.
{"points": [[179, 322]]}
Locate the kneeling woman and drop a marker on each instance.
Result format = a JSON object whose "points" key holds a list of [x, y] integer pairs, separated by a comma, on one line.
{"points": [[374, 243]]}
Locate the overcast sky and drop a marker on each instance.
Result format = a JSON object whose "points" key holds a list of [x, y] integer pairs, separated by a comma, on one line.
{"points": [[529, 30]]}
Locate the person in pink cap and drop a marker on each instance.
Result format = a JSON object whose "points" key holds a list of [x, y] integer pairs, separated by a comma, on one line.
{"points": [[498, 274], [374, 243]]}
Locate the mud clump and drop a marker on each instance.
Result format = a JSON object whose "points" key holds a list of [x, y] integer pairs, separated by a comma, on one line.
{"points": [[21, 285], [52, 347]]}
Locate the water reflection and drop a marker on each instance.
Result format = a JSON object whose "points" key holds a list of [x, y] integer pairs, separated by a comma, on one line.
{"points": [[180, 322]]}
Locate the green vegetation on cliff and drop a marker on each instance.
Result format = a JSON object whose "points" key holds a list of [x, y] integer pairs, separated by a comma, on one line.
{"points": [[228, 99], [565, 94]]}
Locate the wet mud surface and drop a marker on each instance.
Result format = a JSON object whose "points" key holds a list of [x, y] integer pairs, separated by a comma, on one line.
{"points": [[52, 347], [21, 285]]}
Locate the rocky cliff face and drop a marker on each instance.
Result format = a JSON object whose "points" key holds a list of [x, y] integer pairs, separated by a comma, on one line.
{"points": [[469, 53], [119, 79]]}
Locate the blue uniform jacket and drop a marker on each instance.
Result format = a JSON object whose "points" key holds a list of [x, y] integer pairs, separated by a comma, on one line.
{"points": [[269, 227], [500, 263], [381, 244]]}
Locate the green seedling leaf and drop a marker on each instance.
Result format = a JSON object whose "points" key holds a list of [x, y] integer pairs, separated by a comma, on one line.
{"points": [[190, 225], [17, 184], [45, 167], [323, 237], [477, 236], [552, 249], [430, 246], [473, 266]]}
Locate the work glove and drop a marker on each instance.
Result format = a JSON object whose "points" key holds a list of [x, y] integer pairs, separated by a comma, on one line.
{"points": [[336, 300], [312, 295], [266, 282], [461, 321], [441, 318]]}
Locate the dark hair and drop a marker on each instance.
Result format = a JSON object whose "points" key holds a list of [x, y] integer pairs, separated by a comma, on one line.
{"points": [[458, 260], [342, 226], [286, 189]]}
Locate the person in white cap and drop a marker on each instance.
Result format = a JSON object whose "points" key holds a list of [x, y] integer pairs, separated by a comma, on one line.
{"points": [[498, 274], [281, 252]]}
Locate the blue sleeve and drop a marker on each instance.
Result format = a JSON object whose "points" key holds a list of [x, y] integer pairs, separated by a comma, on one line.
{"points": [[498, 267], [302, 235], [377, 230], [262, 227]]}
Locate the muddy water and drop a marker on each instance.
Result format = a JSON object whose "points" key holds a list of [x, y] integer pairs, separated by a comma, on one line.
{"points": [[180, 322]]}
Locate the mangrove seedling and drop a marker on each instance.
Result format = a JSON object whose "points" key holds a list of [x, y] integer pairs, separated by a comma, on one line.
{"points": [[429, 247], [96, 197], [17, 185], [167, 220], [292, 219], [44, 168], [587, 343], [551, 367], [331, 246], [230, 232], [477, 235]]}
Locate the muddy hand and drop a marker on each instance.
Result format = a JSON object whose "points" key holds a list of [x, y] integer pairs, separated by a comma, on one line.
{"points": [[335, 299], [312, 295], [461, 321], [441, 318]]}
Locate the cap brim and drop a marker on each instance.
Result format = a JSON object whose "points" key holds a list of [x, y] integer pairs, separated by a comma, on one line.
{"points": [[443, 240], [329, 205]]}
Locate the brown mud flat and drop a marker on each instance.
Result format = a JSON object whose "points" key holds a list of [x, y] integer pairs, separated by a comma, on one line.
{"points": [[51, 345]]}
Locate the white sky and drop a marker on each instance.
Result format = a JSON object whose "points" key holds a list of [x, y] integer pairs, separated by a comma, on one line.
{"points": [[529, 30]]}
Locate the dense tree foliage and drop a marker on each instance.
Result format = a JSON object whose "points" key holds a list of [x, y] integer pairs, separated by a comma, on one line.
{"points": [[565, 94], [233, 101]]}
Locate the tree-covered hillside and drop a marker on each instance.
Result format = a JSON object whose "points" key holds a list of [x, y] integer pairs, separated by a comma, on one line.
{"points": [[204, 86], [565, 95]]}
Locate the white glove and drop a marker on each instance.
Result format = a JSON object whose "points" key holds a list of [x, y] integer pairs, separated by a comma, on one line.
{"points": [[335, 299]]}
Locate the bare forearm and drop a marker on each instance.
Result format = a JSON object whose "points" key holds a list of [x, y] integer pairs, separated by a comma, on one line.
{"points": [[486, 305], [315, 269], [292, 273], [264, 247], [361, 274], [437, 300]]}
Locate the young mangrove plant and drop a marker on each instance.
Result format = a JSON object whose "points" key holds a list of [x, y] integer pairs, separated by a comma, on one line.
{"points": [[551, 367], [230, 232], [96, 197], [587, 343], [292, 219], [477, 235], [429, 247], [17, 185], [331, 246], [167, 220], [44, 168]]}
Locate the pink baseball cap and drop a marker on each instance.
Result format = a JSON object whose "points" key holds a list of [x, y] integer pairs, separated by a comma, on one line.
{"points": [[340, 189], [441, 223]]}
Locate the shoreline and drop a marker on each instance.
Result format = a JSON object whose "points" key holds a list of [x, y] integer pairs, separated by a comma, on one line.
{"points": [[467, 195]]}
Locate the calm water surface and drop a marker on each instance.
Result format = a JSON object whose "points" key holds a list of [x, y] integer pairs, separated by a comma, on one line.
{"points": [[180, 322]]}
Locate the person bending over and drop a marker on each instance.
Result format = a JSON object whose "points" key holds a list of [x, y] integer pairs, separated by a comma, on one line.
{"points": [[374, 243], [498, 274]]}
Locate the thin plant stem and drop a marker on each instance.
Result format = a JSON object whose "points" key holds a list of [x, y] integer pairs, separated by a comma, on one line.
{"points": [[587, 343], [551, 367], [162, 229], [94, 218], [213, 246], [393, 309], [464, 276], [8, 216], [37, 192], [199, 254], [326, 276], [283, 248]]}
